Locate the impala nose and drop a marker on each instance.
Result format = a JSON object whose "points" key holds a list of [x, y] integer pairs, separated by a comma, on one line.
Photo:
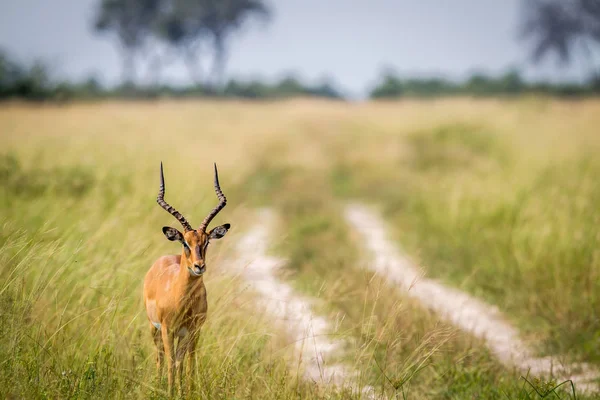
{"points": [[200, 268]]}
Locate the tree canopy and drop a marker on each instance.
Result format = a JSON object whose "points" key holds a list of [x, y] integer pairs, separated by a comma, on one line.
{"points": [[562, 27], [185, 26]]}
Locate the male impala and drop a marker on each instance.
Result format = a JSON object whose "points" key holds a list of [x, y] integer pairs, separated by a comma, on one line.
{"points": [[174, 292]]}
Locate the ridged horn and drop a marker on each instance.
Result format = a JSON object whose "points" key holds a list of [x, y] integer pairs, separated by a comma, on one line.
{"points": [[161, 202], [219, 207]]}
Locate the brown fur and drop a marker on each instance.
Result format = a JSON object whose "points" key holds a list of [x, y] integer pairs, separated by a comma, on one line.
{"points": [[174, 292], [177, 300]]}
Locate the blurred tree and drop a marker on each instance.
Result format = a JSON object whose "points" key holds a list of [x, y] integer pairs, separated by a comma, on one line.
{"points": [[182, 28], [326, 88], [289, 85], [562, 27], [28, 81], [476, 84], [390, 86], [91, 85], [511, 82], [132, 22], [10, 74], [479, 84], [223, 17], [253, 89], [185, 25]]}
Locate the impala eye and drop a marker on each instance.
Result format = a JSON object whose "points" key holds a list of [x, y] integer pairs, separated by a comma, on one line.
{"points": [[187, 250]]}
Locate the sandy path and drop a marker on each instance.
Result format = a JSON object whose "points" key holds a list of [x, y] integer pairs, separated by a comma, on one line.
{"points": [[462, 310], [309, 333]]}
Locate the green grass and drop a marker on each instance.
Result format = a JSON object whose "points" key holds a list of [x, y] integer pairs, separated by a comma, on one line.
{"points": [[72, 314], [397, 346], [492, 197], [522, 235], [79, 232]]}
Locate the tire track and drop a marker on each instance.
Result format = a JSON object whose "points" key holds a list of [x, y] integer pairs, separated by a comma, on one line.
{"points": [[309, 333], [462, 310]]}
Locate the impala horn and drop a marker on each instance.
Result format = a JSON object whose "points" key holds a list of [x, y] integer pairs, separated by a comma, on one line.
{"points": [[219, 207], [161, 202]]}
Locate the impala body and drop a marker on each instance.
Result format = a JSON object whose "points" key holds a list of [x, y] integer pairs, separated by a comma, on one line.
{"points": [[174, 291]]}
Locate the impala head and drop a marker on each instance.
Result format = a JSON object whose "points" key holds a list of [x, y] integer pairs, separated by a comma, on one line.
{"points": [[194, 241]]}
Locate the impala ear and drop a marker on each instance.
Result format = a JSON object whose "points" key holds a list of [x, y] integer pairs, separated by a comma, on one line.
{"points": [[172, 234], [219, 231]]}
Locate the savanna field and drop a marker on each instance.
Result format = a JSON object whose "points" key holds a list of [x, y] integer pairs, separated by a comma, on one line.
{"points": [[498, 198]]}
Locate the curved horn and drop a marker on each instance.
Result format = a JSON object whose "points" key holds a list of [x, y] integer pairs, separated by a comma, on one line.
{"points": [[161, 202], [219, 207]]}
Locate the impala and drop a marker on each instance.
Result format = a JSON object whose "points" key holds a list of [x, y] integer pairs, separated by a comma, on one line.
{"points": [[174, 292]]}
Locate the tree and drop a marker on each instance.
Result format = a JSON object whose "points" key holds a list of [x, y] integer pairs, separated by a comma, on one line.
{"points": [[187, 25], [182, 28], [389, 87], [223, 17], [511, 82], [562, 27], [132, 22], [10, 73], [183, 25]]}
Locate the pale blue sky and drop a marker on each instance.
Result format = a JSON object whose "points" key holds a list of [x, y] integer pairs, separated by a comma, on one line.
{"points": [[347, 40]]}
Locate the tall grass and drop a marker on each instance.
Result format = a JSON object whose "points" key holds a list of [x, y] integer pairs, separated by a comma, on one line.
{"points": [[72, 312], [481, 207], [464, 186], [80, 228], [394, 344]]}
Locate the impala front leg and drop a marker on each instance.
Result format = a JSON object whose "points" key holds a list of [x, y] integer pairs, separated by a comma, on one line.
{"points": [[182, 348], [168, 343], [160, 353], [191, 364]]}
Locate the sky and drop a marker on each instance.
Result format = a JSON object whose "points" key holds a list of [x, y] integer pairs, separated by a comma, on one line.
{"points": [[348, 42]]}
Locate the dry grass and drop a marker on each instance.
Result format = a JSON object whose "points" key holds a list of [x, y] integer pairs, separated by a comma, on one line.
{"points": [[476, 189]]}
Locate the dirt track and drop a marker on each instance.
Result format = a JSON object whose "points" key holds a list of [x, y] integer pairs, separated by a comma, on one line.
{"points": [[309, 333], [462, 310]]}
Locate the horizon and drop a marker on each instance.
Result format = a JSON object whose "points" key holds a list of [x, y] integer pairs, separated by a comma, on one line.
{"points": [[452, 46]]}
